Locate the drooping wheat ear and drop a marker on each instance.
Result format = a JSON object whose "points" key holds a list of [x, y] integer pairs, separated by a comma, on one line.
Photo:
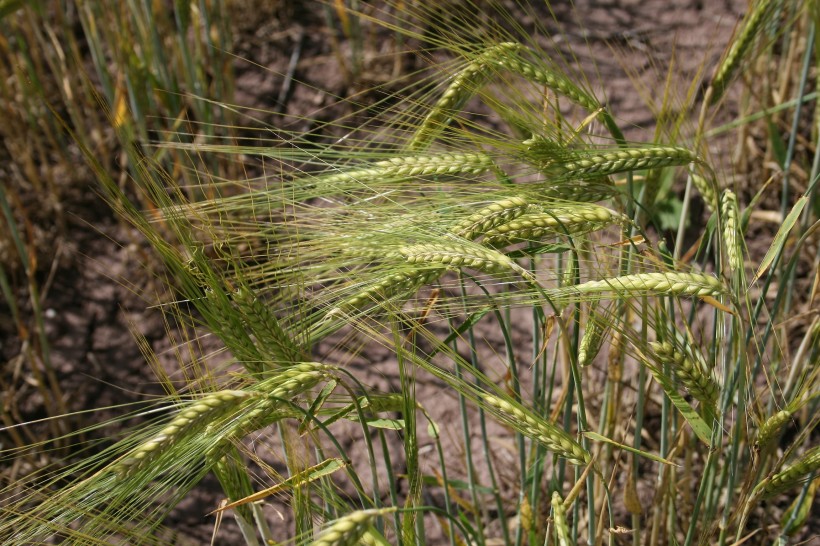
{"points": [[348, 530], [457, 256], [552, 79], [591, 341], [579, 191], [556, 160], [538, 223], [465, 84], [706, 189], [468, 163], [489, 217], [691, 370], [793, 475], [192, 418], [731, 237], [660, 284], [286, 385], [399, 284], [544, 432], [559, 517], [771, 427], [271, 337], [593, 163], [752, 26]]}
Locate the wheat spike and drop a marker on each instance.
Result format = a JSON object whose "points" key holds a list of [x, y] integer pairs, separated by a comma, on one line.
{"points": [[552, 79], [269, 334], [285, 386], [470, 163], [771, 427], [662, 284], [594, 163], [793, 475], [706, 189], [591, 341], [191, 418], [489, 217], [539, 430], [731, 238], [348, 530], [753, 24], [458, 256], [464, 85], [691, 371], [402, 283], [559, 517], [538, 223]]}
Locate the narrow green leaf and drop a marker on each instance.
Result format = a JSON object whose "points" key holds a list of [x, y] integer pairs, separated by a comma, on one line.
{"points": [[389, 424], [781, 236]]}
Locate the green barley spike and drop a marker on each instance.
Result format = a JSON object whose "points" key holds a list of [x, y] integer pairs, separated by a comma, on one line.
{"points": [[793, 475]]}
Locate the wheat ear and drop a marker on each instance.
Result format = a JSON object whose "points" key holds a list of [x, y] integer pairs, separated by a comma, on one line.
{"points": [[191, 418], [270, 335], [753, 24], [468, 163], [348, 530], [731, 233], [662, 284], [706, 189], [591, 341], [464, 85], [559, 517], [489, 217], [690, 369], [594, 163], [553, 221], [771, 427], [396, 284], [544, 432], [286, 385], [457, 255], [793, 475]]}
